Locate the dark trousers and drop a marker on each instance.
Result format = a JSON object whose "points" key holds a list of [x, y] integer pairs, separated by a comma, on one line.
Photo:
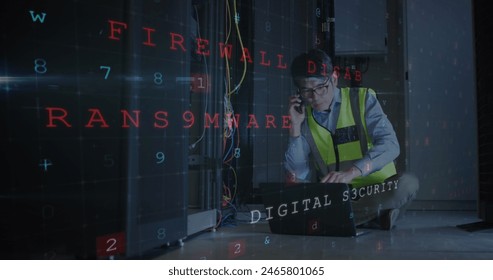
{"points": [[370, 202]]}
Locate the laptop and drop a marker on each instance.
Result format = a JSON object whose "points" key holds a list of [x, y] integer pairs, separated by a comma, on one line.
{"points": [[322, 209]]}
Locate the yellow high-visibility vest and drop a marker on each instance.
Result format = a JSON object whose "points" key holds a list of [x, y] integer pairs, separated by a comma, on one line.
{"points": [[351, 137]]}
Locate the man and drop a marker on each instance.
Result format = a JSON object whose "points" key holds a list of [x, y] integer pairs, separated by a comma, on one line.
{"points": [[343, 136]]}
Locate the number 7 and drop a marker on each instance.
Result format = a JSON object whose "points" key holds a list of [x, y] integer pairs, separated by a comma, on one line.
{"points": [[108, 69]]}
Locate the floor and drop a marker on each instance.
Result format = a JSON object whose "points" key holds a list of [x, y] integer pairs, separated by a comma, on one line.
{"points": [[418, 235]]}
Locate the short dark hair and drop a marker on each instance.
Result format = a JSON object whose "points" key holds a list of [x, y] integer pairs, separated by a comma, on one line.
{"points": [[314, 63]]}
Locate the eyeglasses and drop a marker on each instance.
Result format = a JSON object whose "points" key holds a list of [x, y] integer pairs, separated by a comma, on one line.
{"points": [[309, 92]]}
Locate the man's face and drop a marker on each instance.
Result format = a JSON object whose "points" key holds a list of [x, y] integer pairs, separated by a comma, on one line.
{"points": [[317, 92]]}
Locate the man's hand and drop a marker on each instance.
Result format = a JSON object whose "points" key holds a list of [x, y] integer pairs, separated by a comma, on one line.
{"points": [[297, 118], [341, 177]]}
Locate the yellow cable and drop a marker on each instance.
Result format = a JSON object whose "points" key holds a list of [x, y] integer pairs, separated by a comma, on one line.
{"points": [[242, 51]]}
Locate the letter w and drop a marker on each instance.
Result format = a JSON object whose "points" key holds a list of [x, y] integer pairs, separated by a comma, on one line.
{"points": [[225, 50], [38, 17]]}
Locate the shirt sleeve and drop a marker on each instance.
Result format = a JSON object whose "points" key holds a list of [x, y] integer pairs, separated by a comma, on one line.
{"points": [[296, 158], [385, 145]]}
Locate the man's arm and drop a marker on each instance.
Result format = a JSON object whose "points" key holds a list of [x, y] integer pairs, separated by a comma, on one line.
{"points": [[296, 159], [297, 154], [385, 145]]}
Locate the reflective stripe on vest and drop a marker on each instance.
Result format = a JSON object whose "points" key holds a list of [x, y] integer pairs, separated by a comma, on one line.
{"points": [[351, 137]]}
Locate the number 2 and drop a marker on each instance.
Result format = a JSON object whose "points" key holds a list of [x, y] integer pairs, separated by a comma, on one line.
{"points": [[112, 246], [237, 248]]}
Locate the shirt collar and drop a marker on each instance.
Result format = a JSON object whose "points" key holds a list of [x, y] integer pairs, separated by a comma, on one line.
{"points": [[336, 99]]}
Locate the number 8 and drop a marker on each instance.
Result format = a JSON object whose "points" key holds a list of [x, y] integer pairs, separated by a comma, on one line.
{"points": [[161, 233], [40, 66], [158, 78]]}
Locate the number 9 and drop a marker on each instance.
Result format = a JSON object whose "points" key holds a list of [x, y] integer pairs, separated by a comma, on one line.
{"points": [[160, 157]]}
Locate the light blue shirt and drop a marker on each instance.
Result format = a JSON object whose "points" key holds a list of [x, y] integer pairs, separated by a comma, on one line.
{"points": [[385, 145]]}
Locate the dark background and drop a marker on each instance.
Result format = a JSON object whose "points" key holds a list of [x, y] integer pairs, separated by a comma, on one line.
{"points": [[108, 185]]}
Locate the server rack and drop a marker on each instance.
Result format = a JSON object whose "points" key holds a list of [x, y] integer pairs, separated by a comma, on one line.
{"points": [[92, 128]]}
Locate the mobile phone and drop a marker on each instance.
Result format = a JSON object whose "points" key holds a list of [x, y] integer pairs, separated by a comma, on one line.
{"points": [[300, 105]]}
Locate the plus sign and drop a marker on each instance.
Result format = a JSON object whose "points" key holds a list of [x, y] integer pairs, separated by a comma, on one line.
{"points": [[45, 164]]}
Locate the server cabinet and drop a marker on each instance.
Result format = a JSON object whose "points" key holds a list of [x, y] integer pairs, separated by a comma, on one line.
{"points": [[92, 130], [206, 104], [360, 27]]}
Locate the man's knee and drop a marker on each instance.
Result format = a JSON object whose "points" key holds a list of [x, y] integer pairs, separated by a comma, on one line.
{"points": [[409, 183]]}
